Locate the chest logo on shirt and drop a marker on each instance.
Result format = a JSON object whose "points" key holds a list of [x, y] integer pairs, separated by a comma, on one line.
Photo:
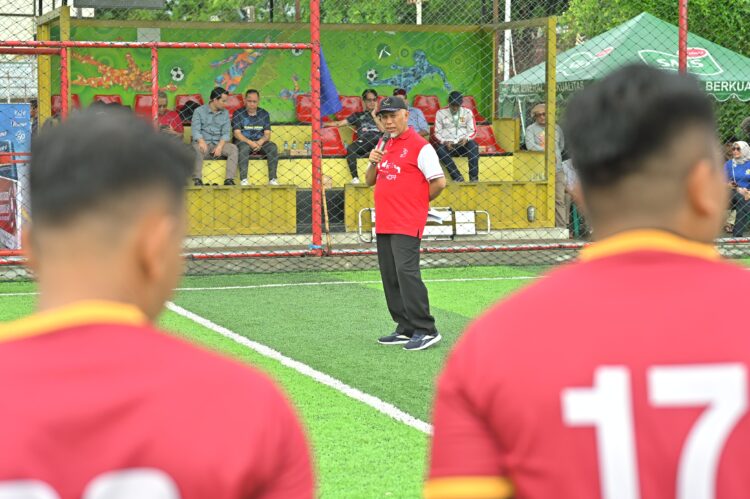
{"points": [[404, 153], [390, 170]]}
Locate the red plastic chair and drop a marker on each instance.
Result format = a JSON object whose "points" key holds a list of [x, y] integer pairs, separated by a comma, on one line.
{"points": [[429, 104], [471, 104], [182, 99], [56, 103], [332, 143], [234, 102], [349, 106], [142, 105], [303, 107], [108, 99], [485, 139]]}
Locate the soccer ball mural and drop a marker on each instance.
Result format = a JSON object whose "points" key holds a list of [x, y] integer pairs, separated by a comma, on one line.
{"points": [[177, 73], [371, 75]]}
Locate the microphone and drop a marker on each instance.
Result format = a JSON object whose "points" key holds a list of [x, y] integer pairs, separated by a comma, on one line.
{"points": [[381, 145]]}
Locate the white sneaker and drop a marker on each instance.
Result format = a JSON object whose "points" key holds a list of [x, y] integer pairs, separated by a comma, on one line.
{"points": [[355, 180], [244, 182], [273, 181]]}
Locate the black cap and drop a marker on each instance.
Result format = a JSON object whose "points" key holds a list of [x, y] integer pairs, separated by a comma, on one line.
{"points": [[455, 97], [391, 104]]}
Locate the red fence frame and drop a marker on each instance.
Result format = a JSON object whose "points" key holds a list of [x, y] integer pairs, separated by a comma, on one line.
{"points": [[683, 35], [13, 257], [61, 48]]}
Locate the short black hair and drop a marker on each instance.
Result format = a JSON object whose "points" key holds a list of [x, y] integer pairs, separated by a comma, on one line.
{"points": [[98, 156], [369, 91], [252, 91], [217, 92], [613, 126]]}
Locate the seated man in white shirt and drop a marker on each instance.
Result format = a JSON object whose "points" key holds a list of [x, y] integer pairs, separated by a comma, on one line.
{"points": [[454, 132]]}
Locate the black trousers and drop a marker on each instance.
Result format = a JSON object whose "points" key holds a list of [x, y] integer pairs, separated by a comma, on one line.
{"points": [[405, 293], [268, 149], [470, 150], [742, 220], [360, 148]]}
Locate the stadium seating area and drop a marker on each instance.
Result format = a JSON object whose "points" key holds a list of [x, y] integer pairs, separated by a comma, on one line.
{"points": [[509, 175]]}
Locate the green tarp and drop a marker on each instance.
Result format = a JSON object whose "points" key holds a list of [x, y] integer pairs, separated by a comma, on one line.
{"points": [[725, 74]]}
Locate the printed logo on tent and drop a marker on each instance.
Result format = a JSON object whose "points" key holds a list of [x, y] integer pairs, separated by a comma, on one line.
{"points": [[699, 61], [582, 60]]}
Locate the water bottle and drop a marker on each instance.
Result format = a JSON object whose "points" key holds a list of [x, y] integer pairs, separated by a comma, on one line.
{"points": [[530, 213], [294, 146], [286, 148]]}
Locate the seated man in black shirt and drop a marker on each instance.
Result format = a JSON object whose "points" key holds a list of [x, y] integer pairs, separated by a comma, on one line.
{"points": [[251, 128], [368, 128]]}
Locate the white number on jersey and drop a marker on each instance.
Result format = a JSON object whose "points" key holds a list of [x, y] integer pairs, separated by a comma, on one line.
{"points": [[142, 483], [607, 406]]}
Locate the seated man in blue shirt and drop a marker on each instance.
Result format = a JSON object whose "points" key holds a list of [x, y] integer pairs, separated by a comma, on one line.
{"points": [[252, 134], [417, 121], [212, 136]]}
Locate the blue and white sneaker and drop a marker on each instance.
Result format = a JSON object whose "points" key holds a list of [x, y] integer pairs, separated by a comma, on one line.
{"points": [[422, 341], [395, 338]]}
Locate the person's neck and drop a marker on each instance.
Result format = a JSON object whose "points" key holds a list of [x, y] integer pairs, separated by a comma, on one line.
{"points": [[212, 107], [613, 228], [63, 283], [55, 294], [252, 112]]}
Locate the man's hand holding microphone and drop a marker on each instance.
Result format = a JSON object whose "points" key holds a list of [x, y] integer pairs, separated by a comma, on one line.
{"points": [[376, 156]]}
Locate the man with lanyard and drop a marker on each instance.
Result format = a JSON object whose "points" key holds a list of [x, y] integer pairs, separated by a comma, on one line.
{"points": [[406, 176], [455, 131], [368, 128]]}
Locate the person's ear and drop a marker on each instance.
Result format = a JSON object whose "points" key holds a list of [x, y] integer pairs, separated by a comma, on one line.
{"points": [[706, 189], [154, 243]]}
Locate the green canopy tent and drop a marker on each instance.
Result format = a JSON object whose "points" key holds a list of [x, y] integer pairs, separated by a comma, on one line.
{"points": [[647, 39]]}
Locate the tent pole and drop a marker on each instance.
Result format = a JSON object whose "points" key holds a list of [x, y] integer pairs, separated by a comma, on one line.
{"points": [[683, 36], [506, 43]]}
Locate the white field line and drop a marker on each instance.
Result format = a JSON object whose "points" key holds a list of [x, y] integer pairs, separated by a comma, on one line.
{"points": [[322, 283], [379, 405]]}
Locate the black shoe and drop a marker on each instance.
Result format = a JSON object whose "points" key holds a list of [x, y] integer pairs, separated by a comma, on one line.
{"points": [[229, 181], [459, 179], [422, 341], [394, 338], [197, 182]]}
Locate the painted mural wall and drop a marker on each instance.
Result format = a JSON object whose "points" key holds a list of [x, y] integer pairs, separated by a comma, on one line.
{"points": [[422, 62]]}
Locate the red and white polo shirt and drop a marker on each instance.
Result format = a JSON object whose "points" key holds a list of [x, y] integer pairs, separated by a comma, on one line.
{"points": [[402, 192]]}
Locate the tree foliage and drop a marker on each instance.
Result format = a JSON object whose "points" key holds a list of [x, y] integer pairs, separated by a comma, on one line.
{"points": [[725, 22]]}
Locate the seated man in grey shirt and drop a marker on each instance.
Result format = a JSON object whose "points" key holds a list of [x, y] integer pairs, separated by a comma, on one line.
{"points": [[212, 136]]}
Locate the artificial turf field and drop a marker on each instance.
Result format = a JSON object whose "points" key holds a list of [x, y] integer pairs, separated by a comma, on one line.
{"points": [[330, 321]]}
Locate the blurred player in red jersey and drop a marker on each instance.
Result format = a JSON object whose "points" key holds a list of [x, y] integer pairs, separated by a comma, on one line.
{"points": [[647, 395], [97, 403]]}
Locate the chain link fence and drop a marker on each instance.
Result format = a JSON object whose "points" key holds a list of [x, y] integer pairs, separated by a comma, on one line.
{"points": [[280, 197]]}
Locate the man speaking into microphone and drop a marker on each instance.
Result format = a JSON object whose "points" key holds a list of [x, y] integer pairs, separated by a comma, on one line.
{"points": [[406, 173]]}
